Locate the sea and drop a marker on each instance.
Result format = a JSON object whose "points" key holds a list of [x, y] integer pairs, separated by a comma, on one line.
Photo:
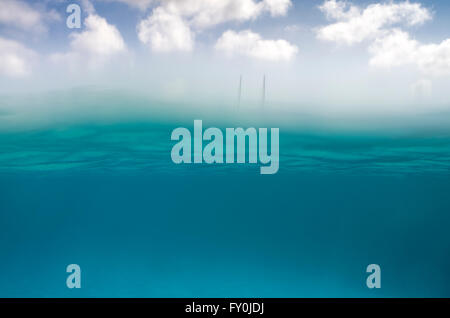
{"points": [[86, 178]]}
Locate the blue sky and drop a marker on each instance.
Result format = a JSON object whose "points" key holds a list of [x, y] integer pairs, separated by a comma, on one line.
{"points": [[303, 13], [338, 54]]}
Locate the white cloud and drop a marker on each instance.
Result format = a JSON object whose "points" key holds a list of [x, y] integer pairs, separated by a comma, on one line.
{"points": [[19, 14], [88, 7], [354, 24], [95, 45], [204, 13], [252, 45], [277, 7], [15, 59], [207, 13], [394, 49], [390, 46], [399, 49], [100, 37], [224, 9], [164, 31], [174, 18], [339, 10]]}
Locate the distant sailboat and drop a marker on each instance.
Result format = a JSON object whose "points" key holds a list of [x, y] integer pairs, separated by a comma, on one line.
{"points": [[263, 95], [239, 92]]}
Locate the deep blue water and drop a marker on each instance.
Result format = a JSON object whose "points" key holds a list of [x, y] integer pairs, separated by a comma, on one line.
{"points": [[109, 198]]}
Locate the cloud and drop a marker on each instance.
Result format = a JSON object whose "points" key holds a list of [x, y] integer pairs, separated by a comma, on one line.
{"points": [[15, 59], [399, 49], [394, 49], [99, 38], [19, 14], [88, 7], [95, 45], [277, 7], [164, 31], [207, 13], [251, 44], [354, 24], [389, 45], [174, 18]]}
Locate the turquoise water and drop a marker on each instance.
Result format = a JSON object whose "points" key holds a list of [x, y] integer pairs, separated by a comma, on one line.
{"points": [[105, 194]]}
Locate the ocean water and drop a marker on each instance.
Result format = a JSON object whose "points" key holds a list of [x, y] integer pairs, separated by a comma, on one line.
{"points": [[104, 194]]}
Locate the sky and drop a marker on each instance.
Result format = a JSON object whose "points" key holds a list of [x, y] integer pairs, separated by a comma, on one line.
{"points": [[317, 55]]}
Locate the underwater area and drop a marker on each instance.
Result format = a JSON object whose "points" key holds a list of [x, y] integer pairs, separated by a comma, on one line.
{"points": [[98, 188]]}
